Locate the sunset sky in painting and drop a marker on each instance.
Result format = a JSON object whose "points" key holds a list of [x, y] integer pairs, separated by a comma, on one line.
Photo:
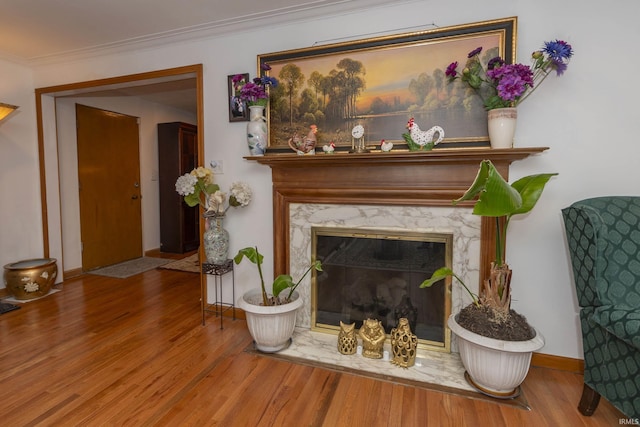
{"points": [[389, 70]]}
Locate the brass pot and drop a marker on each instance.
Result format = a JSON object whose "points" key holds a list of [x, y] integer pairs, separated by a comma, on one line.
{"points": [[31, 278]]}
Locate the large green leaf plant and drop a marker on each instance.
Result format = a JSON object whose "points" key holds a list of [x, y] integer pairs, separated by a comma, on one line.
{"points": [[280, 284], [498, 199]]}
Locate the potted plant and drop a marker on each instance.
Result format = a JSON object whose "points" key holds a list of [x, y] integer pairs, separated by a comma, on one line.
{"points": [[198, 188], [488, 328], [271, 318], [502, 87]]}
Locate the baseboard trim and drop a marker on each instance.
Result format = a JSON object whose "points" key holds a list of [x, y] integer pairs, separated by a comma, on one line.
{"points": [[239, 314], [74, 272], [558, 362], [157, 253], [152, 252]]}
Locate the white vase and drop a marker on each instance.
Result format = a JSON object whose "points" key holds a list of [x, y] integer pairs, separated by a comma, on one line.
{"points": [[270, 326], [501, 123], [257, 131], [494, 367]]}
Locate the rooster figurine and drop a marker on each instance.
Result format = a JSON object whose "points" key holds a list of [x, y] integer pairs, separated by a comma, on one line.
{"points": [[310, 140], [307, 145], [423, 139], [386, 146]]}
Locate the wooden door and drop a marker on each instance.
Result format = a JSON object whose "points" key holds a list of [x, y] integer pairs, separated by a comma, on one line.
{"points": [[189, 161], [109, 180], [177, 155]]}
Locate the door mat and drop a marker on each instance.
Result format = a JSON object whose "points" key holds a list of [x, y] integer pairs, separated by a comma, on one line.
{"points": [[190, 264], [5, 307], [130, 268], [436, 371]]}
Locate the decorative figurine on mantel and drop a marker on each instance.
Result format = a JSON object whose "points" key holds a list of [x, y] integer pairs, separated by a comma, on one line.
{"points": [[306, 146], [423, 140], [329, 148], [403, 344], [386, 146], [373, 336], [347, 340]]}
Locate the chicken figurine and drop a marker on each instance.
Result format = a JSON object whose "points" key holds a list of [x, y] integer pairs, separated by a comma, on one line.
{"points": [[307, 145], [310, 140], [386, 146], [422, 139], [329, 148]]}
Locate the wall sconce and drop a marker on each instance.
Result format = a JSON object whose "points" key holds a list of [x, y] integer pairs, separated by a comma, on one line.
{"points": [[6, 109]]}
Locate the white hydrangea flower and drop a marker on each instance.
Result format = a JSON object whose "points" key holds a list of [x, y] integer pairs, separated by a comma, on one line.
{"points": [[203, 173], [186, 184], [241, 194]]}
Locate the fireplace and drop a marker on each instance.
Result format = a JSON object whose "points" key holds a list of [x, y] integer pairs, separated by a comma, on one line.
{"points": [[404, 191], [374, 273], [460, 225]]}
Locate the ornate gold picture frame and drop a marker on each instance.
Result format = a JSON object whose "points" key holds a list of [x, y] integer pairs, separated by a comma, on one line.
{"points": [[380, 83]]}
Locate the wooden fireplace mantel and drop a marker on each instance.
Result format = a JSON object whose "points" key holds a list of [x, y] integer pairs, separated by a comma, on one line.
{"points": [[432, 178]]}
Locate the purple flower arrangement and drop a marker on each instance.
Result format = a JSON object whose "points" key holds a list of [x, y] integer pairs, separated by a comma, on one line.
{"points": [[254, 92], [507, 85]]}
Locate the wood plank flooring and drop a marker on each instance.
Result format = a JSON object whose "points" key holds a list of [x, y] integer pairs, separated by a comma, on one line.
{"points": [[133, 352]]}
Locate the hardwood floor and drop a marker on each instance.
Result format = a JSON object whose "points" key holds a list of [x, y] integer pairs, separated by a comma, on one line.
{"points": [[116, 352]]}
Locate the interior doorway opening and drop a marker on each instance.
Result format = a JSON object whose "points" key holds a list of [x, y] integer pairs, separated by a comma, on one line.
{"points": [[48, 143]]}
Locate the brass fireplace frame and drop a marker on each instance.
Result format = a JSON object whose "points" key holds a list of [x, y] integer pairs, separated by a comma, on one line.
{"points": [[388, 234]]}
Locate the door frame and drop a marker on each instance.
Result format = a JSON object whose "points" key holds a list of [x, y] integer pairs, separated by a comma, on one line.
{"points": [[48, 144]]}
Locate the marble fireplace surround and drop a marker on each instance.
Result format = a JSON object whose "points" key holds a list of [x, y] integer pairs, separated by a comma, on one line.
{"points": [[460, 223]]}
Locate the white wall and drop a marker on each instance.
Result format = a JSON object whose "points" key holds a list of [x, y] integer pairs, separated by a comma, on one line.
{"points": [[587, 117], [150, 114], [20, 218]]}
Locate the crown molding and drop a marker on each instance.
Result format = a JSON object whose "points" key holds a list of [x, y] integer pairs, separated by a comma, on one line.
{"points": [[301, 13]]}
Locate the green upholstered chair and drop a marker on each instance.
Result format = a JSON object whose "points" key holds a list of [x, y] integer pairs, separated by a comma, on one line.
{"points": [[603, 236]]}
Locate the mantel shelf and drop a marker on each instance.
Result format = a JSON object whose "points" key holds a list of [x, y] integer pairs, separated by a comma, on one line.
{"points": [[444, 155]]}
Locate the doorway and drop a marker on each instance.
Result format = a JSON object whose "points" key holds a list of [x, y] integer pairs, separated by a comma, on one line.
{"points": [[48, 144], [109, 187]]}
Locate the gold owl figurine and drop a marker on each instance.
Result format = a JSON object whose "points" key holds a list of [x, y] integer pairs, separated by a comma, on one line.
{"points": [[372, 334], [347, 340], [403, 344]]}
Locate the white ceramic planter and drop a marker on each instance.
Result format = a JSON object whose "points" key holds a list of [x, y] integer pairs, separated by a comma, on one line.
{"points": [[495, 367], [270, 326]]}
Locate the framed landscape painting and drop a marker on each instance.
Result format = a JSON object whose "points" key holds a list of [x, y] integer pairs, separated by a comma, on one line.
{"points": [[381, 83]]}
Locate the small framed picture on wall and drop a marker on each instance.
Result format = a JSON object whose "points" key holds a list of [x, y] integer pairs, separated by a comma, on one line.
{"points": [[238, 111]]}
